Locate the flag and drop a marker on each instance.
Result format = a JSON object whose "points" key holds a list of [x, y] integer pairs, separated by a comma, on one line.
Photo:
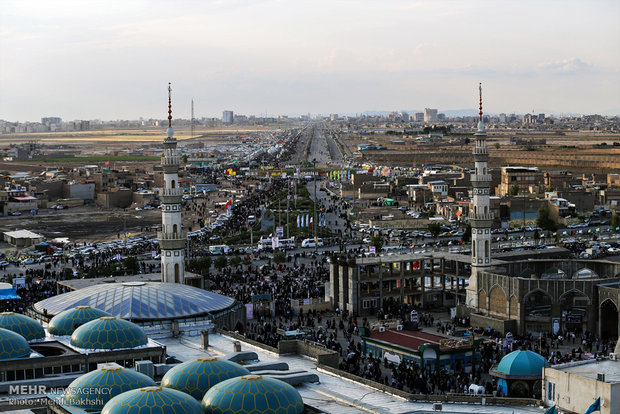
{"points": [[551, 410], [416, 265], [298, 221], [107, 163], [311, 221], [596, 406]]}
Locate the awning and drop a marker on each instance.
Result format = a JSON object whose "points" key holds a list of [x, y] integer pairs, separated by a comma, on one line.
{"points": [[8, 294], [23, 198]]}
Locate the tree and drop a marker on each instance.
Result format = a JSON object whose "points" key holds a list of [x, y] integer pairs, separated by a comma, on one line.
{"points": [[544, 220], [131, 265], [536, 235], [513, 190], [221, 262], [279, 256], [377, 241], [235, 261], [497, 145], [434, 229], [467, 234], [184, 158], [615, 222]]}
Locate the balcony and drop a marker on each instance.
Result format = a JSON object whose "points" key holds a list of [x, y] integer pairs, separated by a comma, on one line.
{"points": [[171, 236], [479, 151], [481, 177], [481, 216], [172, 192], [170, 160]]}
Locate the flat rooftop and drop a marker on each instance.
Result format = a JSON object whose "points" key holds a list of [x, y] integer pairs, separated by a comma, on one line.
{"points": [[407, 339], [333, 394], [590, 369]]}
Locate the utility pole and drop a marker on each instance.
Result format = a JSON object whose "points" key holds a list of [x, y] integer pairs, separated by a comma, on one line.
{"points": [[316, 199]]}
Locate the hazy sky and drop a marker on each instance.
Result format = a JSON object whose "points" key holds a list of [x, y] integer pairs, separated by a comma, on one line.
{"points": [[113, 59]]}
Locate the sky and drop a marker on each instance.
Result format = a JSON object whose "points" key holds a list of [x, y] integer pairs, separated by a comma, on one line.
{"points": [[113, 59]]}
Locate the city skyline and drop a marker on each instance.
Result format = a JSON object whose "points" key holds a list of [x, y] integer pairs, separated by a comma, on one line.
{"points": [[278, 57]]}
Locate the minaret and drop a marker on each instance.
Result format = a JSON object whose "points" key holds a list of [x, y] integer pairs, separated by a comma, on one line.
{"points": [[480, 216], [172, 239]]}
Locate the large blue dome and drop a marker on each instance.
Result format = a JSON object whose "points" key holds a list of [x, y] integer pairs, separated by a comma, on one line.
{"points": [[108, 333], [68, 321], [198, 376], [22, 324], [114, 380], [140, 301], [13, 345], [252, 394], [522, 363], [153, 400]]}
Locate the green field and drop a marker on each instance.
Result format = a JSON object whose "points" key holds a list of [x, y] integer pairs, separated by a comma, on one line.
{"points": [[101, 158]]}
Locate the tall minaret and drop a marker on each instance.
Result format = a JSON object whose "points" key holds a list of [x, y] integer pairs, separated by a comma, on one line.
{"points": [[480, 216], [172, 239]]}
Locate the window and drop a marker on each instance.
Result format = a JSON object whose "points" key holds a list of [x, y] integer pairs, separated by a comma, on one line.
{"points": [[550, 391], [486, 247], [173, 184], [473, 247]]}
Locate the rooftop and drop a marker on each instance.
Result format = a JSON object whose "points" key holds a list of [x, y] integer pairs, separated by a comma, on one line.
{"points": [[23, 234], [590, 369], [407, 339]]}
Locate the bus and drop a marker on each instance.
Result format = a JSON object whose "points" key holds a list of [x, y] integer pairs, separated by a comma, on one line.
{"points": [[311, 243], [267, 244], [219, 249]]}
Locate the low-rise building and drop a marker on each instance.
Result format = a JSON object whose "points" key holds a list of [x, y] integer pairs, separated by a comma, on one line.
{"points": [[575, 386]]}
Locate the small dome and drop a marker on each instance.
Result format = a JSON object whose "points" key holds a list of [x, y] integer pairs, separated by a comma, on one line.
{"points": [[113, 379], [68, 321], [13, 345], [108, 333], [152, 400], [522, 363], [198, 376], [252, 394], [22, 324]]}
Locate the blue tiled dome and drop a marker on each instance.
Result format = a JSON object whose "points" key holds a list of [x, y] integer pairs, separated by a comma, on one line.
{"points": [[252, 394], [68, 321], [153, 400], [522, 363], [108, 333], [113, 379], [13, 345], [198, 376], [22, 324]]}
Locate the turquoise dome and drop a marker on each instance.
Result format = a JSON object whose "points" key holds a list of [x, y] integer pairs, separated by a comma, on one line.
{"points": [[13, 345], [108, 332], [522, 363], [198, 376], [252, 394], [113, 379], [22, 324], [153, 400], [68, 321]]}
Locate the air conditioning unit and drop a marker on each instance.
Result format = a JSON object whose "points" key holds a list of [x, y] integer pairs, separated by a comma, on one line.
{"points": [[146, 368], [382, 329], [613, 356], [399, 327]]}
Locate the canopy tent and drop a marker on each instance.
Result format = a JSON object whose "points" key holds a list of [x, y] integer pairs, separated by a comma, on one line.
{"points": [[7, 292]]}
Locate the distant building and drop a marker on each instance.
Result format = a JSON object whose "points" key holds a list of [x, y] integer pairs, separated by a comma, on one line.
{"points": [[51, 120], [527, 178], [418, 117], [227, 117], [430, 115]]}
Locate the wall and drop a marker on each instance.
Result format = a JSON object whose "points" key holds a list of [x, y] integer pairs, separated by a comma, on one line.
{"points": [[84, 191], [500, 325]]}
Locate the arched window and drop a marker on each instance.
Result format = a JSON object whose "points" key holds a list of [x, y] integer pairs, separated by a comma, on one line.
{"points": [[173, 184], [486, 247], [486, 210], [174, 228], [177, 275], [473, 247]]}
